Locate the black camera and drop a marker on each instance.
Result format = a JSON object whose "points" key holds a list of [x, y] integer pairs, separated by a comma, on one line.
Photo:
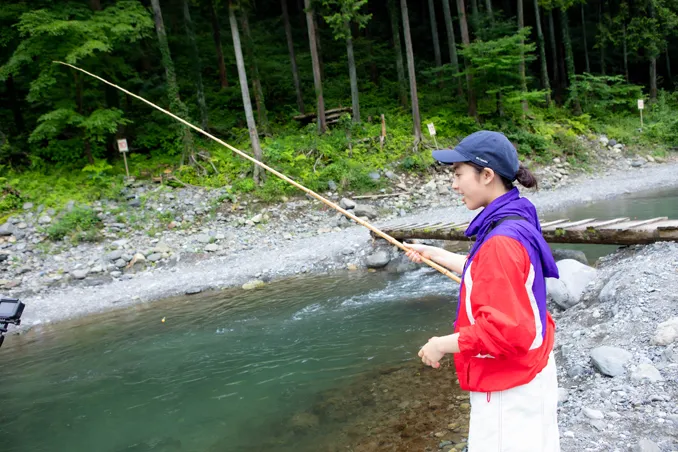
{"points": [[10, 313]]}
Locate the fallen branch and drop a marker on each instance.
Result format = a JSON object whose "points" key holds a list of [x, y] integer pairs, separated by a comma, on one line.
{"points": [[383, 195]]}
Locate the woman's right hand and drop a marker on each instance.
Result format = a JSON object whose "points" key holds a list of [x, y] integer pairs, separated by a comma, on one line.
{"points": [[416, 252]]}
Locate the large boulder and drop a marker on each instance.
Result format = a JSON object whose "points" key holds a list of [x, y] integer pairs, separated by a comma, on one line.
{"points": [[560, 254], [567, 290]]}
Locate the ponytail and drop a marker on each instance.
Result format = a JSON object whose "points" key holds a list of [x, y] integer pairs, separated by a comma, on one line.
{"points": [[525, 177]]}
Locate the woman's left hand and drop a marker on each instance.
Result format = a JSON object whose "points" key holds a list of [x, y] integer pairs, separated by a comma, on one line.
{"points": [[431, 354]]}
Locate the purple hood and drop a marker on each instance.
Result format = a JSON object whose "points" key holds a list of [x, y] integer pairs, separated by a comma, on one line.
{"points": [[511, 203]]}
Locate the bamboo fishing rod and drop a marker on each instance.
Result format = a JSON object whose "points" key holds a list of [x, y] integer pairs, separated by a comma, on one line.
{"points": [[380, 233]]}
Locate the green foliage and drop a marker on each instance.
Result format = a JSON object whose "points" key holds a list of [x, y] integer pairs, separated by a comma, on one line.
{"points": [[494, 64], [341, 13], [80, 224], [602, 95], [98, 170]]}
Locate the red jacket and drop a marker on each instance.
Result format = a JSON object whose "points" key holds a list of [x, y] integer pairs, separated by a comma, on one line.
{"points": [[502, 340]]}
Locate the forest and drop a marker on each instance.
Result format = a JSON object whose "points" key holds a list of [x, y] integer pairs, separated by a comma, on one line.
{"points": [[325, 91]]}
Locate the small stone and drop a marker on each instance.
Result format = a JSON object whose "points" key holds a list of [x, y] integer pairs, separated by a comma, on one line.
{"points": [[79, 274], [162, 247], [568, 434], [212, 247], [139, 258], [598, 424], [374, 176], [352, 267], [119, 243], [377, 260], [136, 202], [347, 204], [646, 445], [113, 255], [332, 185], [257, 218], [667, 332], [193, 291], [154, 257], [28, 205], [647, 372], [562, 395], [120, 263], [116, 274], [439, 434], [593, 414], [610, 360], [364, 210], [203, 238], [390, 174], [44, 220], [254, 284]]}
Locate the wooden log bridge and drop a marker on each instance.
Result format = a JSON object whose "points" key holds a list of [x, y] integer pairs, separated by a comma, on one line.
{"points": [[617, 231]]}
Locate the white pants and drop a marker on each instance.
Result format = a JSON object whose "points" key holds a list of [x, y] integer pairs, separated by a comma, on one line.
{"points": [[520, 419]]}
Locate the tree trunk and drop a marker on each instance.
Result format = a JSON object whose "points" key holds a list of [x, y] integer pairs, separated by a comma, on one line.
{"points": [[554, 51], [95, 5], [569, 60], [216, 35], [668, 67], [626, 53], [176, 105], [293, 58], [602, 41], [583, 31], [16, 108], [452, 45], [523, 80], [472, 108], [318, 45], [78, 101], [653, 79], [397, 47], [195, 57], [542, 55], [475, 18], [355, 102], [434, 33], [413, 80], [490, 14], [653, 63], [317, 78], [262, 114], [244, 88], [374, 71]]}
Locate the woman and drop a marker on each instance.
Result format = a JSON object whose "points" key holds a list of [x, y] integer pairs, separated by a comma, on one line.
{"points": [[503, 335]]}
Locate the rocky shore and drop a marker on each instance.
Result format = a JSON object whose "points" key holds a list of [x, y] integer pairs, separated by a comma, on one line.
{"points": [[158, 241]]}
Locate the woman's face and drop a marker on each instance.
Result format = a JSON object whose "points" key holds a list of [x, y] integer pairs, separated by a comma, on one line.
{"points": [[473, 187]]}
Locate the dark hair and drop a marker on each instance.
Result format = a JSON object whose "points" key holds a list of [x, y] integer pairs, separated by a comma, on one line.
{"points": [[524, 176]]}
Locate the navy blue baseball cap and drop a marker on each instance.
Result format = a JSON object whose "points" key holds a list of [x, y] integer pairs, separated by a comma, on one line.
{"points": [[484, 148]]}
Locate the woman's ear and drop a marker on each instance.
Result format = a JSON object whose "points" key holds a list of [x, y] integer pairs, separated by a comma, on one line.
{"points": [[488, 175]]}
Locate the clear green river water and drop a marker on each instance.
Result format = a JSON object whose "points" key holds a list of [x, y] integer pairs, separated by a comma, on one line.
{"points": [[227, 370]]}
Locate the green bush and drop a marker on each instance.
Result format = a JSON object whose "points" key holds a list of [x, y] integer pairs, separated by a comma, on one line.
{"points": [[80, 224]]}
